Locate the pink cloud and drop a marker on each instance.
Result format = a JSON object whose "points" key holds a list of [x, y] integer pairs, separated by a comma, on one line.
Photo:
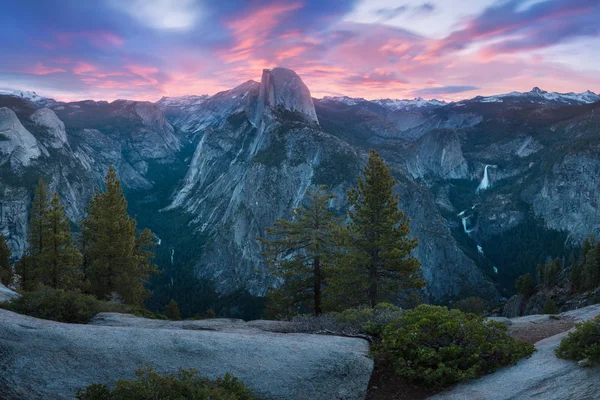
{"points": [[41, 69]]}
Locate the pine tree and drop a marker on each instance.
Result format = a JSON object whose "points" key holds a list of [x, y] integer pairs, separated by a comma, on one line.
{"points": [[172, 311], [38, 221], [378, 263], [591, 268], [6, 273], [576, 274], [118, 260], [25, 268], [297, 252], [59, 261]]}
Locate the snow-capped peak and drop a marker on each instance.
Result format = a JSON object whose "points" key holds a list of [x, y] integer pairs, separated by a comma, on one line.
{"points": [[32, 97], [406, 104], [537, 95], [390, 104]]}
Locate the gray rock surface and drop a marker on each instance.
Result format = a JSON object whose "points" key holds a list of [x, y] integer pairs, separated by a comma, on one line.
{"points": [[50, 360], [542, 376], [6, 294]]}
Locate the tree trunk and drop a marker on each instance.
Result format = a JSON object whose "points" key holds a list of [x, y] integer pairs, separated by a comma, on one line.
{"points": [[373, 284], [317, 288]]}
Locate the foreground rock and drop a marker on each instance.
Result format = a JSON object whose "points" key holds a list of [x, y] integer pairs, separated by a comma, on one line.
{"points": [[50, 360], [543, 376], [6, 294]]}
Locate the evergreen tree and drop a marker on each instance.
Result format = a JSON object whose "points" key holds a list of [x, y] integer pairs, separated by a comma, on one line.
{"points": [[38, 222], [26, 270], [6, 273], [172, 311], [59, 260], [378, 261], [575, 274], [297, 253], [525, 286], [591, 268], [118, 260]]}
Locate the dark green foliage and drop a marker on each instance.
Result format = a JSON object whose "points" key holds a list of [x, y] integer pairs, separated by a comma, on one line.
{"points": [[550, 307], [518, 250], [298, 252], [25, 268], [370, 320], [585, 274], [117, 259], [210, 313], [68, 306], [6, 273], [440, 347], [377, 262], [525, 286], [548, 273], [186, 384], [353, 321], [172, 311], [59, 305], [58, 262], [582, 343], [474, 305]]}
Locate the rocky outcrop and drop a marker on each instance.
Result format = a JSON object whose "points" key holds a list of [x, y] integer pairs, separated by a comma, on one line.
{"points": [[542, 376], [49, 360], [438, 153], [6, 294], [17, 144], [56, 134], [283, 88]]}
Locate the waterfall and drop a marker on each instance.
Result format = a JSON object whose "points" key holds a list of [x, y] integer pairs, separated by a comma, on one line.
{"points": [[464, 223], [480, 249], [485, 181], [172, 254]]}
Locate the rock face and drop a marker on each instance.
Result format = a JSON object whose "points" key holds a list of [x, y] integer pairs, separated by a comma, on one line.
{"points": [[542, 376], [6, 294], [17, 145], [281, 87], [49, 360]]}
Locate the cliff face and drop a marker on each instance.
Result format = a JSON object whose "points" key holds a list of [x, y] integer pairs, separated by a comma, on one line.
{"points": [[209, 173]]}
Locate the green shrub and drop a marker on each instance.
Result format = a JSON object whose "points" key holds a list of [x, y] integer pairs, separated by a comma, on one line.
{"points": [[550, 307], [440, 347], [473, 305], [582, 343], [186, 384], [66, 306], [353, 321]]}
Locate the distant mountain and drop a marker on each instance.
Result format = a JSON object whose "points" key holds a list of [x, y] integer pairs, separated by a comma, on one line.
{"points": [[538, 96], [31, 97], [390, 104], [492, 185]]}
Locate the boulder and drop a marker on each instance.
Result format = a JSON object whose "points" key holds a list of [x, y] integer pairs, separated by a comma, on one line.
{"points": [[6, 294], [49, 360], [542, 376]]}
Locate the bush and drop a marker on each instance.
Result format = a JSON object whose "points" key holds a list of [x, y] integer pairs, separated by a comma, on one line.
{"points": [[440, 347], [66, 306], [471, 305], [186, 384], [525, 285], [550, 307], [582, 343], [353, 321]]}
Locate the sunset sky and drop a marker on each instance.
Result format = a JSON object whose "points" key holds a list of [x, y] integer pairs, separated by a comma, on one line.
{"points": [[445, 49]]}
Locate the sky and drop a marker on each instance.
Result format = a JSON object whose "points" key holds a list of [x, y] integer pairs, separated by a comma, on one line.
{"points": [[445, 49]]}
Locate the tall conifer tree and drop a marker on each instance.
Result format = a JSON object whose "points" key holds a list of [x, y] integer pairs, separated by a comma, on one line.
{"points": [[378, 263], [6, 273], [117, 259], [59, 261], [297, 252]]}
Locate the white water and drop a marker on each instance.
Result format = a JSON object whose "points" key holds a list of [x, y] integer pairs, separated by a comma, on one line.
{"points": [[480, 249], [464, 222], [495, 270], [485, 181], [172, 254], [461, 213]]}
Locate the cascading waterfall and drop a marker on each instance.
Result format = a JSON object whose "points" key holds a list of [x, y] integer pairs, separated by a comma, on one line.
{"points": [[485, 181], [464, 223]]}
